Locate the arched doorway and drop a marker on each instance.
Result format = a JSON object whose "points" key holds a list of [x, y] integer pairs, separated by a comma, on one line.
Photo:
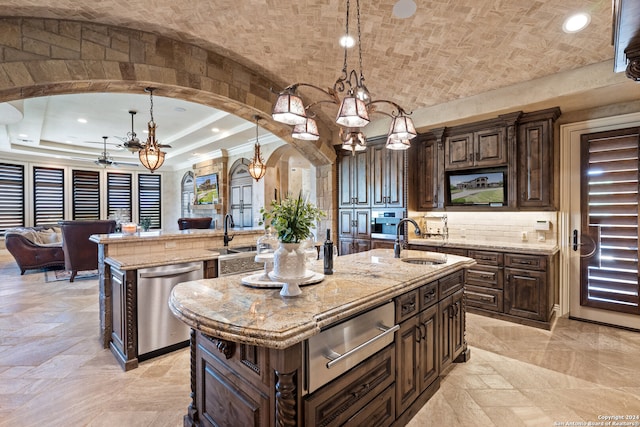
{"points": [[241, 194]]}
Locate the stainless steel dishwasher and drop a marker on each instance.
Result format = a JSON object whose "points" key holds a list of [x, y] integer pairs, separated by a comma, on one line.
{"points": [[159, 331]]}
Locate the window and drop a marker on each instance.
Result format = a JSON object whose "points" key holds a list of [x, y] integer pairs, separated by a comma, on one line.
{"points": [[86, 195], [48, 195], [119, 198], [149, 198], [11, 196], [188, 194]]}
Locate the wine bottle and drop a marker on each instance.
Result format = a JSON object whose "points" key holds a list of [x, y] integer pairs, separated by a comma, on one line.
{"points": [[328, 254]]}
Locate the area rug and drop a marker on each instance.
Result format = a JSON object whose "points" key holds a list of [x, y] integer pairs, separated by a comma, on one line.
{"points": [[63, 275]]}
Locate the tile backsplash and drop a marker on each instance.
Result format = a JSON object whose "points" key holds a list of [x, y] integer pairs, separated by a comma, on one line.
{"points": [[508, 227]]}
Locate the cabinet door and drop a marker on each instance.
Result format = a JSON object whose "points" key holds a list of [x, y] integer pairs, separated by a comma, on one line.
{"points": [[458, 151], [345, 177], [361, 245], [490, 147], [395, 178], [346, 221], [379, 171], [362, 223], [428, 368], [346, 246], [457, 324], [425, 175], [387, 177], [535, 165], [408, 340], [525, 293], [445, 334], [361, 177]]}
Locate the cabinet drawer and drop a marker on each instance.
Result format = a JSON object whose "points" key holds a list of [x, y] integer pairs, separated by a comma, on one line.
{"points": [[485, 275], [453, 251], [407, 305], [530, 262], [428, 295], [380, 412], [336, 402], [450, 284], [488, 299], [486, 258]]}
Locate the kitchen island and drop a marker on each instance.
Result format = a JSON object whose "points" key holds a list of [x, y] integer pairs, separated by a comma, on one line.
{"points": [[121, 257], [254, 354]]}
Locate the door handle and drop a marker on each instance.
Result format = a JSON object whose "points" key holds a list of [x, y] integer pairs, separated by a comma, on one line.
{"points": [[576, 244]]}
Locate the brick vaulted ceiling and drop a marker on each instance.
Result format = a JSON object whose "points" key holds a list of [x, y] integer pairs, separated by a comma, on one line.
{"points": [[449, 50]]}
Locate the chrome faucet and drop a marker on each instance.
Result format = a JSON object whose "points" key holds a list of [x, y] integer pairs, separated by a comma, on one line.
{"points": [[228, 221], [396, 245]]}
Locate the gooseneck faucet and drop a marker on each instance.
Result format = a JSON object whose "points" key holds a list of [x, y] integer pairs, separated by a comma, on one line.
{"points": [[396, 245], [228, 221]]}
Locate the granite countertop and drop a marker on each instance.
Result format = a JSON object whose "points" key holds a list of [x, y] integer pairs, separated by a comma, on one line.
{"points": [[224, 308], [527, 248], [147, 260], [160, 235]]}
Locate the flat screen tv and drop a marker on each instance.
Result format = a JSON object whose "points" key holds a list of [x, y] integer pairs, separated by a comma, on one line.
{"points": [[477, 188], [207, 189]]}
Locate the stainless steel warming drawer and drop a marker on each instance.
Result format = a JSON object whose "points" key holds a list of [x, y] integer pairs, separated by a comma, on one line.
{"points": [[340, 347]]}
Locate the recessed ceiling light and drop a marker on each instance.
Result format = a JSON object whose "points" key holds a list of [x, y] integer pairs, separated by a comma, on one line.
{"points": [[215, 130], [576, 22], [180, 109], [82, 120], [23, 135], [347, 41], [404, 9], [145, 131]]}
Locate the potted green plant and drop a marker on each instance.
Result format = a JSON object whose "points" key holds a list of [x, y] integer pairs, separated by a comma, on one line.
{"points": [[292, 219], [145, 223]]}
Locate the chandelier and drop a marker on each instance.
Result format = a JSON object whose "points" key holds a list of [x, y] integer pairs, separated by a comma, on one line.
{"points": [[257, 167], [150, 154], [354, 110]]}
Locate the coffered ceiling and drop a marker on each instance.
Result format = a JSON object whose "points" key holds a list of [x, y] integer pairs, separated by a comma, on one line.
{"points": [[447, 51]]}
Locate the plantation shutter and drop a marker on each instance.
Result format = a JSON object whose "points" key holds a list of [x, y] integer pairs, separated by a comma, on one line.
{"points": [[86, 195], [48, 195], [610, 211], [149, 198], [119, 198], [11, 196]]}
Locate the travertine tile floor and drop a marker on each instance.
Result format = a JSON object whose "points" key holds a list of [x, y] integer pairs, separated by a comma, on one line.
{"points": [[53, 372]]}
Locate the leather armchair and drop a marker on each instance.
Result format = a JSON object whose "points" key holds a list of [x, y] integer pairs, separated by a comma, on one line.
{"points": [[80, 254], [186, 223], [30, 252]]}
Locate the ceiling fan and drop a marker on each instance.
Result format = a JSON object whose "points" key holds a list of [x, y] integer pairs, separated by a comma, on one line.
{"points": [[131, 142], [105, 158]]}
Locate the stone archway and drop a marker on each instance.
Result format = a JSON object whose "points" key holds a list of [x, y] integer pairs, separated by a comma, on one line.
{"points": [[41, 57]]}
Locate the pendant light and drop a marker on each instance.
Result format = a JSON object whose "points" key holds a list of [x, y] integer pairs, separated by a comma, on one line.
{"points": [[257, 167], [150, 154]]}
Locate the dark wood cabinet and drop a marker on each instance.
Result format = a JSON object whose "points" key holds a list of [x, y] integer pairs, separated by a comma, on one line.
{"points": [[387, 177], [427, 337], [518, 287], [335, 403], [423, 157], [478, 148], [537, 160], [520, 144], [354, 177], [354, 230], [527, 288], [451, 317], [220, 398]]}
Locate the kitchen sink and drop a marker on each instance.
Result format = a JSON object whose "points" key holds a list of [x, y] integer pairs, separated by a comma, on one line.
{"points": [[423, 261], [239, 249]]}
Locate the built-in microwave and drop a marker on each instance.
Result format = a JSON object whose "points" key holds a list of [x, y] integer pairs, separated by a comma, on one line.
{"points": [[385, 222]]}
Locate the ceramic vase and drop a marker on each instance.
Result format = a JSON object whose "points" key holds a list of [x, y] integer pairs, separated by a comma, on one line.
{"points": [[289, 267]]}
